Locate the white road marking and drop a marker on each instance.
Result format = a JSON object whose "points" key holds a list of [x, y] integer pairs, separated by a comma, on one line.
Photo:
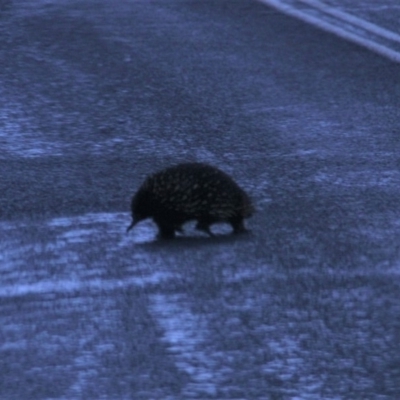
{"points": [[342, 24]]}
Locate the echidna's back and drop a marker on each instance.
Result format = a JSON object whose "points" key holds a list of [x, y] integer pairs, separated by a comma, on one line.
{"points": [[196, 189]]}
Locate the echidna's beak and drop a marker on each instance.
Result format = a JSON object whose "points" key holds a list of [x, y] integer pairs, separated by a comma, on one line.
{"points": [[134, 222]]}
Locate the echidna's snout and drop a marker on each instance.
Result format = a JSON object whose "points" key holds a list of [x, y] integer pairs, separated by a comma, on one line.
{"points": [[134, 222]]}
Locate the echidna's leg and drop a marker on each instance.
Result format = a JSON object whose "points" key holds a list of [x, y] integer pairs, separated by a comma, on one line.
{"points": [[179, 228], [166, 229], [204, 225], [237, 225]]}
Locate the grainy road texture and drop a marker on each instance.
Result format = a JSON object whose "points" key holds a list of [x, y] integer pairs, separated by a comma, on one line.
{"points": [[97, 94]]}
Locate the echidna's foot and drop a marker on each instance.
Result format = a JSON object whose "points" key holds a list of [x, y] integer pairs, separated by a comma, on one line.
{"points": [[240, 231], [204, 227], [165, 235], [166, 231], [179, 229], [238, 226]]}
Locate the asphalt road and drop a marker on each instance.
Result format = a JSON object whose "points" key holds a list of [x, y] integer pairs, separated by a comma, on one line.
{"points": [[94, 96]]}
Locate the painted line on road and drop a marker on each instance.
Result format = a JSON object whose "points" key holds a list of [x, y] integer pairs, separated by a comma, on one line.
{"points": [[342, 24]]}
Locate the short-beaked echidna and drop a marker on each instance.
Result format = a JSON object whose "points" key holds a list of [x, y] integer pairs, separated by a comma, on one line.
{"points": [[190, 191]]}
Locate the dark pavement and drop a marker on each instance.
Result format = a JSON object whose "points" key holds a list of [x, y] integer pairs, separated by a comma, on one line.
{"points": [[94, 96]]}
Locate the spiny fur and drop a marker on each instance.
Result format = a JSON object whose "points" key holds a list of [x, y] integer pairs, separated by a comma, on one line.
{"points": [[190, 191]]}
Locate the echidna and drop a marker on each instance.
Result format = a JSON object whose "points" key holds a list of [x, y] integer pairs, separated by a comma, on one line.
{"points": [[190, 191]]}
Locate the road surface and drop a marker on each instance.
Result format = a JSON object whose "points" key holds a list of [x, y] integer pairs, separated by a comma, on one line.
{"points": [[94, 96]]}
